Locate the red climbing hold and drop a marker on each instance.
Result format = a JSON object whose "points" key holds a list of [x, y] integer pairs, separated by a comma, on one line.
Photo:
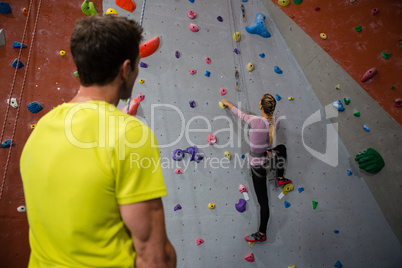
{"points": [[250, 257], [128, 5], [199, 241], [134, 103], [398, 103], [148, 48], [369, 74]]}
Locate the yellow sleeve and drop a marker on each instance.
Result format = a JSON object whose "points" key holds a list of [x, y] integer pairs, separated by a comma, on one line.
{"points": [[137, 166]]}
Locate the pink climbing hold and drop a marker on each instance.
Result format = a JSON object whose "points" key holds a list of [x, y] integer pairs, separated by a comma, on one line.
{"points": [[140, 97], [193, 27], [223, 91], [208, 60], [250, 257], [242, 189], [211, 139], [192, 71], [178, 171], [317, 9], [375, 11], [398, 103], [369, 74], [199, 241], [191, 14]]}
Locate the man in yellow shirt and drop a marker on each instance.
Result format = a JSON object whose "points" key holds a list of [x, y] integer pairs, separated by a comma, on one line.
{"points": [[88, 205]]}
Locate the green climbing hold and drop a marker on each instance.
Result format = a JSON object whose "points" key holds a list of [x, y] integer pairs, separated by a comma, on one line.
{"points": [[357, 114], [346, 100], [386, 55], [76, 74], [358, 28], [297, 2], [370, 160], [392, 87], [315, 203], [88, 8]]}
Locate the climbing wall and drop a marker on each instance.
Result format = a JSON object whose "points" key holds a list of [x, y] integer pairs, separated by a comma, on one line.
{"points": [[318, 161]]}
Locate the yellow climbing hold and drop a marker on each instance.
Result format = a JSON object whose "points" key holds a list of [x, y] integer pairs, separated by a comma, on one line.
{"points": [[227, 154], [251, 244], [211, 205], [141, 81], [283, 3], [250, 66], [33, 126], [323, 36], [111, 11], [223, 106], [62, 53], [237, 36], [292, 266], [338, 86], [291, 98], [287, 188]]}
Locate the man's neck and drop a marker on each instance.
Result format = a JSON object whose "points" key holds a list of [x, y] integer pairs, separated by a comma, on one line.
{"points": [[107, 93]]}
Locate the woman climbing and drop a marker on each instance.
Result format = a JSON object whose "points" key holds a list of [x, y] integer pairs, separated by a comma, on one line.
{"points": [[262, 156]]}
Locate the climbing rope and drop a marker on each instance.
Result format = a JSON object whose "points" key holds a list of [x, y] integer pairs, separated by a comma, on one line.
{"points": [[22, 89], [141, 18], [240, 61]]}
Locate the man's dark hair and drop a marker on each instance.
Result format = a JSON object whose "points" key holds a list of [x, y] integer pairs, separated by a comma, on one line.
{"points": [[100, 45]]}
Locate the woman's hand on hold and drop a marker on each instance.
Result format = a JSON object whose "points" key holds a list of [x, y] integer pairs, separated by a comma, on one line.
{"points": [[228, 104]]}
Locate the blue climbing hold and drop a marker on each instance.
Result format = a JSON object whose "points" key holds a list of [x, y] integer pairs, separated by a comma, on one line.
{"points": [[18, 45], [277, 97], [336, 232], [366, 128], [245, 0], [259, 26], [191, 1], [7, 144], [301, 189], [20, 64], [242, 156], [349, 172], [34, 107], [207, 73], [338, 105], [338, 264], [262, 55], [5, 8], [277, 70], [287, 204]]}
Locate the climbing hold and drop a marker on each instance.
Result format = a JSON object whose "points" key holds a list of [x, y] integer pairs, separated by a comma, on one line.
{"points": [[223, 106], [13, 102], [323, 36], [223, 91], [277, 97], [143, 65], [141, 81], [219, 18], [199, 240], [178, 171], [34, 107], [18, 45], [242, 156], [198, 157], [392, 87], [228, 155], [149, 47], [336, 232], [193, 27], [358, 28], [62, 53], [251, 244], [366, 128], [338, 264], [128, 5], [287, 188], [338, 86], [25, 11], [2, 40], [287, 204], [350, 173], [241, 206], [237, 36], [300, 189], [208, 60], [375, 11], [192, 71], [277, 70], [192, 150], [283, 3], [242, 189], [211, 205], [346, 100], [236, 51], [297, 2], [369, 74], [250, 257], [7, 144], [386, 55], [20, 64], [291, 98], [259, 26], [191, 14], [315, 203], [5, 8], [245, 0], [88, 8], [178, 155], [207, 73], [211, 139], [177, 54], [338, 105], [317, 9], [192, 103], [357, 114], [177, 207], [250, 66], [21, 209], [262, 55], [33, 126], [398, 102], [191, 1], [293, 266], [76, 74], [370, 160], [111, 11]]}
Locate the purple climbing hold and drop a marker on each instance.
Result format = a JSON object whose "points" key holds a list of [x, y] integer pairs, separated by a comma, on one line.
{"points": [[198, 157], [192, 150], [241, 206], [143, 64], [177, 207], [178, 155], [236, 51], [177, 54], [219, 18], [192, 103], [34, 107]]}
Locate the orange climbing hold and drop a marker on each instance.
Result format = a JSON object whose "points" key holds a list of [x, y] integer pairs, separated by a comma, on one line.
{"points": [[128, 5], [134, 103], [149, 47]]}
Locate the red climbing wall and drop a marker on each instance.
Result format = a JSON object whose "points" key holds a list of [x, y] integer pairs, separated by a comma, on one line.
{"points": [[49, 81], [356, 51]]}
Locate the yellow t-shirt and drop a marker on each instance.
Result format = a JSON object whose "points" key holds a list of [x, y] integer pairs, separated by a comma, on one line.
{"points": [[80, 163]]}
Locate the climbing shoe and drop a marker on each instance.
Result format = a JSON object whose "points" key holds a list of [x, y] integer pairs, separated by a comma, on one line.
{"points": [[257, 237], [283, 181]]}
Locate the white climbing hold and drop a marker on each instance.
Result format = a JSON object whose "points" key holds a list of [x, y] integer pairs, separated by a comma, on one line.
{"points": [[13, 102]]}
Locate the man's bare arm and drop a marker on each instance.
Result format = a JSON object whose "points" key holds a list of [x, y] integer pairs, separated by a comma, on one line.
{"points": [[146, 222]]}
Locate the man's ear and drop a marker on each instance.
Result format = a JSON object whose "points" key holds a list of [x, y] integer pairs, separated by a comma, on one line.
{"points": [[125, 69]]}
